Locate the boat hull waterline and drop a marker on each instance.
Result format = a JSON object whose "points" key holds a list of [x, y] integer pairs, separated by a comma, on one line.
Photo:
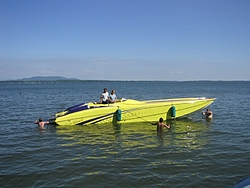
{"points": [[130, 111]]}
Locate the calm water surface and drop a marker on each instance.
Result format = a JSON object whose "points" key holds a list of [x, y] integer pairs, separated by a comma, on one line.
{"points": [[194, 153]]}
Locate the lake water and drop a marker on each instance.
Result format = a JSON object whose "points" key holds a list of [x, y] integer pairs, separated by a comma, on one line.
{"points": [[194, 153]]}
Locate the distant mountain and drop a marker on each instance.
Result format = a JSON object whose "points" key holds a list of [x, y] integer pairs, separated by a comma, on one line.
{"points": [[46, 78]]}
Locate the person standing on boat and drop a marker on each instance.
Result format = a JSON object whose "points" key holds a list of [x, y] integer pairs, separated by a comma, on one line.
{"points": [[161, 125], [104, 98], [208, 113], [112, 97], [41, 123]]}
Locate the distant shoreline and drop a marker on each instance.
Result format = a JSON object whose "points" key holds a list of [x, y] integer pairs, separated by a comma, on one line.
{"points": [[82, 81], [57, 79]]}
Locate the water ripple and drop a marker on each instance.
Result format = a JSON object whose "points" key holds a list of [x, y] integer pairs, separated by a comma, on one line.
{"points": [[194, 153]]}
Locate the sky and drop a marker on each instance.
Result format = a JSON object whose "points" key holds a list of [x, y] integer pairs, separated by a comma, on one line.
{"points": [[169, 40]]}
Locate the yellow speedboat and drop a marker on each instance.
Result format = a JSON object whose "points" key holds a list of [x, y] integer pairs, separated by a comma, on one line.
{"points": [[129, 111]]}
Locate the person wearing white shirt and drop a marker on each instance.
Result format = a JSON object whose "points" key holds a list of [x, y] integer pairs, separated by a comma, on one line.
{"points": [[112, 97], [104, 98]]}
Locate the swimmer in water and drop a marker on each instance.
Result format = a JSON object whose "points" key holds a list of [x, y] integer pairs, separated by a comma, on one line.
{"points": [[41, 123], [208, 114], [161, 125]]}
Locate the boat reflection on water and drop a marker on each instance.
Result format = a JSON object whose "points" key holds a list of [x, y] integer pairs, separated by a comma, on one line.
{"points": [[184, 133], [189, 133]]}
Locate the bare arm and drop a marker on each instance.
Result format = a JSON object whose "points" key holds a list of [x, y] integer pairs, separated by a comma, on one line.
{"points": [[167, 126], [43, 122]]}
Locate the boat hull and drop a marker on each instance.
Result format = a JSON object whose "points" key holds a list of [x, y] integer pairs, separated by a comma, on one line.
{"points": [[131, 111]]}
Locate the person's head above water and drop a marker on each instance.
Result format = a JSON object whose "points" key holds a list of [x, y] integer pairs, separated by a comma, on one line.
{"points": [[161, 120]]}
